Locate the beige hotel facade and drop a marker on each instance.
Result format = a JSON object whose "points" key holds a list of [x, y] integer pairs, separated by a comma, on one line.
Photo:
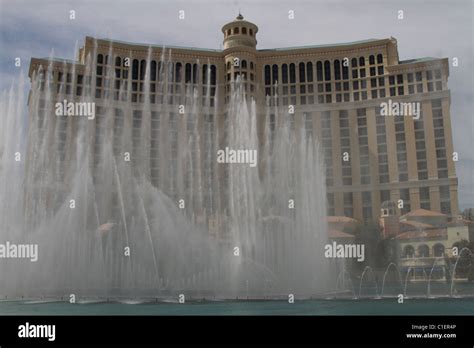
{"points": [[336, 91]]}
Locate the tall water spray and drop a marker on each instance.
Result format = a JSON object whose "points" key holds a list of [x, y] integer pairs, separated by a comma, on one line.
{"points": [[104, 227]]}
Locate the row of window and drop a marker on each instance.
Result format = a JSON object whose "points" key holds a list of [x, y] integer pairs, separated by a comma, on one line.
{"points": [[348, 207], [423, 251], [363, 139], [120, 90], [440, 142], [381, 137], [325, 93], [381, 133], [174, 71], [401, 146], [330, 92], [366, 200], [325, 71], [345, 147], [326, 142], [239, 30], [241, 64]]}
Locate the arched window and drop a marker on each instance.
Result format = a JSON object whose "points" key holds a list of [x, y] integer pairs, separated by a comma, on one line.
{"points": [[372, 59], [251, 32], [135, 69], [205, 74], [284, 73], [379, 59], [243, 64], [228, 65], [408, 251], [274, 74], [319, 71], [244, 30], [302, 72], [160, 69], [142, 69], [100, 59], [267, 75], [251, 65], [361, 61], [327, 70], [438, 250], [229, 32], [170, 71], [153, 70], [423, 251], [345, 72], [236, 30], [118, 61], [178, 69], [213, 75], [292, 73], [337, 69], [354, 62], [309, 71], [195, 72], [187, 73]]}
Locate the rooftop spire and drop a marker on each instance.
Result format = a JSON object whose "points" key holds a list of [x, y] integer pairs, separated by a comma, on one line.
{"points": [[240, 17]]}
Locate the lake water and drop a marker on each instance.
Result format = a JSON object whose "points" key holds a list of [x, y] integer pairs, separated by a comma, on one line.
{"points": [[386, 306]]}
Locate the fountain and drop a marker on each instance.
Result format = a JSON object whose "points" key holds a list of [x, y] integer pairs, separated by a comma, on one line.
{"points": [[105, 230], [368, 268], [385, 275], [341, 277], [406, 282], [428, 292], [453, 274]]}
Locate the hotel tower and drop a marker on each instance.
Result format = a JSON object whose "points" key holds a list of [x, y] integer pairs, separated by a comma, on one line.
{"points": [[334, 92]]}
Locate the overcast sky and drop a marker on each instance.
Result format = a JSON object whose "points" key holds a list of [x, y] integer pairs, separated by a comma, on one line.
{"points": [[31, 28]]}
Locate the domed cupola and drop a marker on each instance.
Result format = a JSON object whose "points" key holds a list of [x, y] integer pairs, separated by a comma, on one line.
{"points": [[240, 32]]}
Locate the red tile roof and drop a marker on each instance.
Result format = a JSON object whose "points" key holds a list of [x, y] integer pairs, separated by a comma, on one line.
{"points": [[424, 212], [412, 225], [434, 233], [340, 219]]}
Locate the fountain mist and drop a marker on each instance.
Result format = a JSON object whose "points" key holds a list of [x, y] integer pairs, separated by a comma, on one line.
{"points": [[104, 227]]}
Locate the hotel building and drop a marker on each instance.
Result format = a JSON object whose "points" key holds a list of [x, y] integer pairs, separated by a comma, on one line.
{"points": [[336, 91]]}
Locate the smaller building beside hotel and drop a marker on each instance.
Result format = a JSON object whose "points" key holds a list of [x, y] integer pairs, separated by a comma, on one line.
{"points": [[425, 239]]}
